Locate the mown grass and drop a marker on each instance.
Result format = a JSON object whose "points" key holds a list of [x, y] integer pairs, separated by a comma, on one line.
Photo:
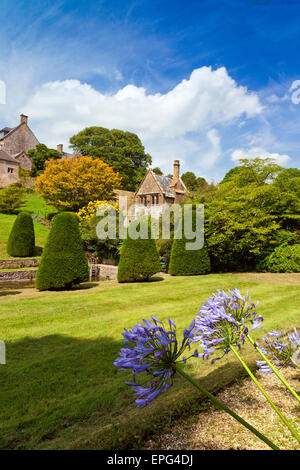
{"points": [[33, 204], [60, 389]]}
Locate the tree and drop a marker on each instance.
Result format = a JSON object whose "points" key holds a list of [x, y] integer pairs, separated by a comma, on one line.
{"points": [[11, 199], [192, 182], [69, 184], [64, 262], [123, 151], [157, 171], [39, 156], [185, 262], [249, 216], [139, 259], [21, 241]]}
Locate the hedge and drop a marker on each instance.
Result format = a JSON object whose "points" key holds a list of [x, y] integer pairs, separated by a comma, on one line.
{"points": [[64, 262]]}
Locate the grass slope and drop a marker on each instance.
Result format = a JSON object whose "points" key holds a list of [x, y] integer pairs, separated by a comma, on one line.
{"points": [[60, 389]]}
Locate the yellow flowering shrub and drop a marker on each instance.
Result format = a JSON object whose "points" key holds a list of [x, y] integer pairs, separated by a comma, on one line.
{"points": [[86, 213]]}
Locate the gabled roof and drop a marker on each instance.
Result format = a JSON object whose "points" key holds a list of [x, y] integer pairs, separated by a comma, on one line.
{"points": [[6, 157], [6, 129], [9, 131]]}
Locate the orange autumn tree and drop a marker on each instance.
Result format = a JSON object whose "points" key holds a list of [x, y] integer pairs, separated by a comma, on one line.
{"points": [[69, 184]]}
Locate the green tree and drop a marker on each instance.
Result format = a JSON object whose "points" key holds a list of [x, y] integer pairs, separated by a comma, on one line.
{"points": [[39, 156], [249, 215], [190, 180], [123, 151], [157, 171], [21, 241], [64, 262], [11, 199], [139, 259]]}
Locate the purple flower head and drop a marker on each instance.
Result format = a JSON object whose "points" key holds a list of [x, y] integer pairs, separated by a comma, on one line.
{"points": [[225, 320], [281, 347], [152, 349]]}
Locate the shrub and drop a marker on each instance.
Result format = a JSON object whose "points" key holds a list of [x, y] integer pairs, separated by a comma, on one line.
{"points": [[63, 261], [11, 199], [21, 240], [188, 262], [139, 259], [284, 259], [185, 262]]}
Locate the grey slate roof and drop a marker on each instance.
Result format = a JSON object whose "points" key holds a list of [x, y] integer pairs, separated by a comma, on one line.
{"points": [[165, 181]]}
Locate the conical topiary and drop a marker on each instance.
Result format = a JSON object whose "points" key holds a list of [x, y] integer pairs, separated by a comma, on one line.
{"points": [[21, 241], [63, 261], [185, 262], [139, 259]]}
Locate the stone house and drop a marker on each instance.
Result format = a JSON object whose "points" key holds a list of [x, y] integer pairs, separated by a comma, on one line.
{"points": [[155, 191], [16, 142], [9, 169]]}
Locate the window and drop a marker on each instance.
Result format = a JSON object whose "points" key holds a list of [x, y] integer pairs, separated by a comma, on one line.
{"points": [[10, 170]]}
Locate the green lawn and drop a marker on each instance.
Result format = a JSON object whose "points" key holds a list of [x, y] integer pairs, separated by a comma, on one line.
{"points": [[60, 389], [36, 205]]}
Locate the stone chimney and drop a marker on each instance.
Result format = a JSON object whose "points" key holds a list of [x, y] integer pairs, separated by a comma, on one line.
{"points": [[60, 148], [24, 119], [176, 170]]}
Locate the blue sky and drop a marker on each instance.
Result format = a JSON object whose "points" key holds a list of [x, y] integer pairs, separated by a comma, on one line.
{"points": [[201, 80]]}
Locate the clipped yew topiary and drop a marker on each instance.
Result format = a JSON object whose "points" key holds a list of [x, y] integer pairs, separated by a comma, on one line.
{"points": [[21, 241], [64, 262], [185, 262], [139, 259]]}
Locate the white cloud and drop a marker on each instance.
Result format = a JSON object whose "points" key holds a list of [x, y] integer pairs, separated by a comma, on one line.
{"points": [[176, 120], [259, 152]]}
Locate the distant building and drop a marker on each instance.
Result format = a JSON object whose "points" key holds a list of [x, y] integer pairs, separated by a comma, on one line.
{"points": [[155, 191], [9, 169], [16, 141]]}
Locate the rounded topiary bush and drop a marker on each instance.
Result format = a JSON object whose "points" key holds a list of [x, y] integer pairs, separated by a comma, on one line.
{"points": [[284, 259], [21, 241], [139, 259], [188, 262], [63, 261], [185, 262]]}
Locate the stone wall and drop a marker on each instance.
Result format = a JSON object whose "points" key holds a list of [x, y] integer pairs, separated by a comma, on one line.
{"points": [[19, 263], [107, 272], [18, 275]]}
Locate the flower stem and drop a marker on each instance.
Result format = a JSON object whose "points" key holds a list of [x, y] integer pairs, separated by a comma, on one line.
{"points": [[222, 406], [295, 364], [283, 418], [273, 368]]}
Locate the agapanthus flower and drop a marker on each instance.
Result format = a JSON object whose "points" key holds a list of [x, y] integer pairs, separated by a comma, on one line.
{"points": [[281, 347], [224, 320], [153, 349]]}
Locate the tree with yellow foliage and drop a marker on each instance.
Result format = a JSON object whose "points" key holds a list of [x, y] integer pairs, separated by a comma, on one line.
{"points": [[70, 184]]}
